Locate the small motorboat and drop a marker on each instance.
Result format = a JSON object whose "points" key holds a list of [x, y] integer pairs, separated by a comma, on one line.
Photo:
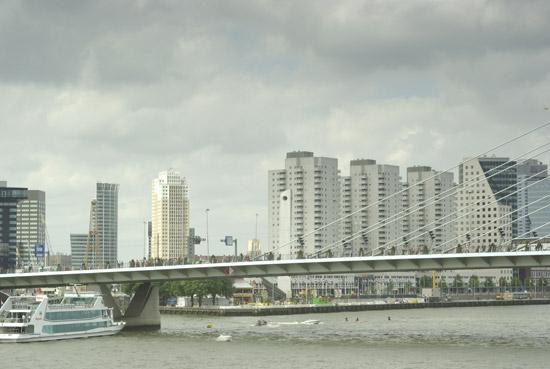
{"points": [[311, 322], [261, 322], [223, 338]]}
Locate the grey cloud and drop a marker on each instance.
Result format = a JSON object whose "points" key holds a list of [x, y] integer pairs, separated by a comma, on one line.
{"points": [[118, 91]]}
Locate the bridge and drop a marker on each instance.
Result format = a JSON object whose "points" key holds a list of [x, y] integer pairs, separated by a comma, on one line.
{"points": [[143, 310]]}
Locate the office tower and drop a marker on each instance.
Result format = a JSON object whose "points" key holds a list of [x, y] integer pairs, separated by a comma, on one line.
{"points": [[253, 248], [79, 243], [9, 198], [106, 219], [485, 201], [170, 216], [430, 196], [367, 194], [302, 198], [31, 229], [533, 186]]}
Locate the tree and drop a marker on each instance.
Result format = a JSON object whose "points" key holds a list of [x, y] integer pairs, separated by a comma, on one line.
{"points": [[443, 284], [516, 282], [458, 283], [543, 284], [489, 284], [389, 287], [425, 282], [329, 254], [300, 254], [473, 282], [529, 283], [502, 282], [129, 288], [459, 249]]}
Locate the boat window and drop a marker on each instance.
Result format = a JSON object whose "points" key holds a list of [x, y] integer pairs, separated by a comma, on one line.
{"points": [[73, 327], [73, 315]]}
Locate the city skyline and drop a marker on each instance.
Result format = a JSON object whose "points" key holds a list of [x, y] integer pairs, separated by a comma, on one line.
{"points": [[137, 251], [220, 92]]}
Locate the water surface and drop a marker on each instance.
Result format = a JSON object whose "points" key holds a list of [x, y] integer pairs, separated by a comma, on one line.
{"points": [[484, 337]]}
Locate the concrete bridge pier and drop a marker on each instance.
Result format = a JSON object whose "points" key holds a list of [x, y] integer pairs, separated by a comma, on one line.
{"points": [[143, 312]]}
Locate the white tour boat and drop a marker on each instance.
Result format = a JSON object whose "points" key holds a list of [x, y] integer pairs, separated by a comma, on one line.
{"points": [[33, 318]]}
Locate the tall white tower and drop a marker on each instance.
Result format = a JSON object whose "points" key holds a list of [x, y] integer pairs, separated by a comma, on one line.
{"points": [[485, 201], [303, 197], [170, 216], [431, 197], [367, 184]]}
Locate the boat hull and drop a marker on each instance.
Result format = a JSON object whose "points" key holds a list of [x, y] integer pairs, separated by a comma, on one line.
{"points": [[16, 338]]}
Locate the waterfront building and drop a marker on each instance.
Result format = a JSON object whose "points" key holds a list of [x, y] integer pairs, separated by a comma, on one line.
{"points": [[367, 184], [485, 277], [485, 202], [533, 186], [388, 284], [430, 197], [170, 216], [302, 197], [60, 261], [9, 198], [335, 285], [106, 219], [31, 229], [79, 243]]}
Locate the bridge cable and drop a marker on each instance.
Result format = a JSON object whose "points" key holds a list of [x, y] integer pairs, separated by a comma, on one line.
{"points": [[402, 191], [381, 224]]}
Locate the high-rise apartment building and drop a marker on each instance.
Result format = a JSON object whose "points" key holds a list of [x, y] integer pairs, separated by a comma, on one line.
{"points": [[303, 197], [106, 218], [79, 242], [170, 216], [369, 194], [486, 200], [31, 229], [429, 200], [533, 186], [9, 198]]}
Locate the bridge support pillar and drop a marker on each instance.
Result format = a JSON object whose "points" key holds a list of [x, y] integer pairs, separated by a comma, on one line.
{"points": [[143, 311]]}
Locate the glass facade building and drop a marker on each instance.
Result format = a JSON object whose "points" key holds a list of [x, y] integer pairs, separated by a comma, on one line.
{"points": [[106, 218], [534, 209], [9, 198]]}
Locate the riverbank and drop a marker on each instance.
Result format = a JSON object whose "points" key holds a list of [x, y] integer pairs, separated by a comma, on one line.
{"points": [[336, 308]]}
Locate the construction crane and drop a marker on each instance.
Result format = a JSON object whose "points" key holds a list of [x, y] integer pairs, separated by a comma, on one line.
{"points": [[92, 241]]}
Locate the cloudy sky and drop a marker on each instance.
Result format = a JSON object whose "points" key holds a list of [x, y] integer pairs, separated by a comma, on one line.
{"points": [[117, 91]]}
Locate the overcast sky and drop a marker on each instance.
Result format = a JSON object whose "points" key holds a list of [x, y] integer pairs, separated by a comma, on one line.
{"points": [[117, 91]]}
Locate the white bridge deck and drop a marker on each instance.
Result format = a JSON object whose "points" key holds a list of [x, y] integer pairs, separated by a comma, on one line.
{"points": [[367, 264]]}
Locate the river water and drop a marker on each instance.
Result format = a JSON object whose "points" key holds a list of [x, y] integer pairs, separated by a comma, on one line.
{"points": [[484, 337]]}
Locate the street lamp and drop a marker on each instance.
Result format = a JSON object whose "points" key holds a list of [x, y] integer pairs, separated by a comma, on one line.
{"points": [[207, 237]]}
